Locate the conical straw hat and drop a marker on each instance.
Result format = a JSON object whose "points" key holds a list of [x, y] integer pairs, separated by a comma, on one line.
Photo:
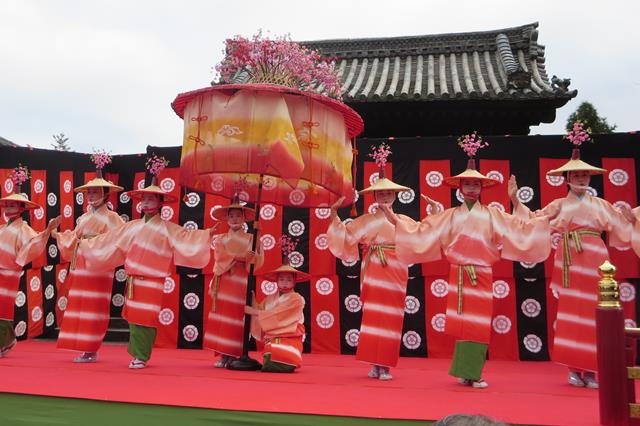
{"points": [[99, 182], [299, 275], [153, 188], [221, 212], [575, 164], [21, 198], [470, 173]]}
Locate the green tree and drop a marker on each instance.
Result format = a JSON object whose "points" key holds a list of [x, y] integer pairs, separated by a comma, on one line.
{"points": [[588, 114], [60, 142]]}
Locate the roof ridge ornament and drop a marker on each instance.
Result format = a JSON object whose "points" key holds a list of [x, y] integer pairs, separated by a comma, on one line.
{"points": [[517, 77]]}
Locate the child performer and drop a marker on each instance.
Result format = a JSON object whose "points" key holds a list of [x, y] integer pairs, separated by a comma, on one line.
{"points": [[278, 320], [580, 218], [473, 237], [86, 318], [19, 245], [233, 258], [383, 277], [149, 248]]}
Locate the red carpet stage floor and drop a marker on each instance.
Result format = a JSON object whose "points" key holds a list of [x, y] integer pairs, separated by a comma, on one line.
{"points": [[519, 392]]}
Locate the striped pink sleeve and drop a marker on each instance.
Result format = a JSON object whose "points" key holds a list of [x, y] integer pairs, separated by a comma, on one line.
{"points": [[109, 250], [521, 240], [635, 234], [343, 239], [551, 210], [191, 248], [66, 242], [418, 242], [31, 244], [620, 231]]}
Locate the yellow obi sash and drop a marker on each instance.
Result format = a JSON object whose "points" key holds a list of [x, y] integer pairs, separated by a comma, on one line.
{"points": [[74, 257], [378, 250], [576, 237], [471, 272]]}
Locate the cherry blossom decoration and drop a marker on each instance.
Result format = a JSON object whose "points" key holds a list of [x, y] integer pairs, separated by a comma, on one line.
{"points": [[471, 143], [278, 61]]}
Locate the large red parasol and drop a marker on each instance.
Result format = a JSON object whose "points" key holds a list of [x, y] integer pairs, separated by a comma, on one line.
{"points": [[299, 141]]}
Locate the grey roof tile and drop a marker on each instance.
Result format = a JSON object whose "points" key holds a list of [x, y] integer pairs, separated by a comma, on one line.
{"points": [[500, 64]]}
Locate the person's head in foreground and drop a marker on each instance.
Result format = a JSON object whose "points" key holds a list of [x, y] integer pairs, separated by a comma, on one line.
{"points": [[468, 420]]}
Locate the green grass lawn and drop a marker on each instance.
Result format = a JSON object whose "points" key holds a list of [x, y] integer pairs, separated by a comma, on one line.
{"points": [[18, 409]]}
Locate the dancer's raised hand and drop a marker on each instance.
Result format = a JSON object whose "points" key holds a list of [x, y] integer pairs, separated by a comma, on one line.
{"points": [[335, 206], [628, 214], [435, 208], [388, 213], [212, 230], [53, 224], [512, 189]]}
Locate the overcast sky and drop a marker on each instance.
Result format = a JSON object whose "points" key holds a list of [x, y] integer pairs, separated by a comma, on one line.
{"points": [[105, 72]]}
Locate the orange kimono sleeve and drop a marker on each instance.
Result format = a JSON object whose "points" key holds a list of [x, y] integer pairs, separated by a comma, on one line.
{"points": [[418, 242], [191, 248], [620, 230], [109, 250], [550, 210], [221, 255], [259, 260], [66, 242], [521, 240], [635, 234], [343, 238], [30, 244], [282, 319], [256, 329]]}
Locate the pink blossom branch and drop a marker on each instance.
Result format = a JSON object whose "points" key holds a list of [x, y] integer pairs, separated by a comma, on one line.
{"points": [[20, 175], [578, 134], [380, 154], [155, 165], [471, 143]]}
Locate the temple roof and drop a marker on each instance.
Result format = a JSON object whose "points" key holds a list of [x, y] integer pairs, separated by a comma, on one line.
{"points": [[500, 64], [6, 142]]}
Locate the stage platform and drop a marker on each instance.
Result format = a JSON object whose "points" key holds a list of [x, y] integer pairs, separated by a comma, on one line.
{"points": [[334, 385]]}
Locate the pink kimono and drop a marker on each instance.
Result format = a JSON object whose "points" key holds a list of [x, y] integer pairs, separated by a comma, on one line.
{"points": [[383, 280], [149, 249], [86, 317], [472, 241], [19, 245], [581, 250]]}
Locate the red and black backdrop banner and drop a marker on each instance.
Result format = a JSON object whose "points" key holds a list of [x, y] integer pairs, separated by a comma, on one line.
{"points": [[524, 307]]}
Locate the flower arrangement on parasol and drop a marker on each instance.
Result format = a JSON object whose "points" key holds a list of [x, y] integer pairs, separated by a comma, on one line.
{"points": [[278, 61]]}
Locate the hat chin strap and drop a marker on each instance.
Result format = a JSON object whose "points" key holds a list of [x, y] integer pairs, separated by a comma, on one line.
{"points": [[578, 188], [473, 197], [13, 215], [97, 203], [151, 211]]}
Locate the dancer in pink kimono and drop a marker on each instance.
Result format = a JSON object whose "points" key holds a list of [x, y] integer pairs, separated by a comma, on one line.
{"points": [[581, 219], [278, 321], [233, 257], [149, 248], [86, 317], [383, 276], [473, 237], [19, 245]]}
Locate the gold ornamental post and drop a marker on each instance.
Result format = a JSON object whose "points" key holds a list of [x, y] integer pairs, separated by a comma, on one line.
{"points": [[610, 342], [609, 290]]}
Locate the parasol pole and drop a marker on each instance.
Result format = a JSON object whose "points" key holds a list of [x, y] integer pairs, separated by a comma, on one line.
{"points": [[245, 362]]}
